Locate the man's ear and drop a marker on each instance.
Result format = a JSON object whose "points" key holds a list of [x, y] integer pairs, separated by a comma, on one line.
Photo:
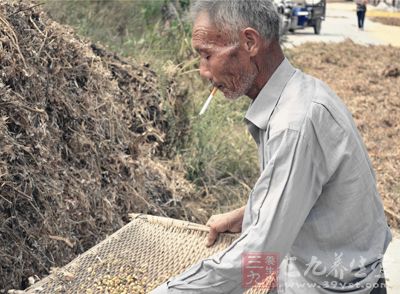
{"points": [[251, 41]]}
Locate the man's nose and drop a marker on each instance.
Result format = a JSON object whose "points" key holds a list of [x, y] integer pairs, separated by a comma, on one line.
{"points": [[205, 71]]}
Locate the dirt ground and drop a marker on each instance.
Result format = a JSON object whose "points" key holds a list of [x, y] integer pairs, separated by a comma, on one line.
{"points": [[385, 25], [367, 78]]}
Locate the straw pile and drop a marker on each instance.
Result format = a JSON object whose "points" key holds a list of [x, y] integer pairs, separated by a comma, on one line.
{"points": [[80, 135], [390, 21], [367, 78]]}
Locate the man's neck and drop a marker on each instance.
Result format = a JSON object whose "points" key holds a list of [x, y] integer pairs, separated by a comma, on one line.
{"points": [[266, 62]]}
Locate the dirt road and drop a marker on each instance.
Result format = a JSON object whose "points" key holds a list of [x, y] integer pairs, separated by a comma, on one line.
{"points": [[341, 23]]}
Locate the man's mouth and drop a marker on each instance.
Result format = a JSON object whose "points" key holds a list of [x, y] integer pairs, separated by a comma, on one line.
{"points": [[221, 87]]}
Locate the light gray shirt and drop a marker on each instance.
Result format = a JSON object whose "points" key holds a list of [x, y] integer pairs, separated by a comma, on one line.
{"points": [[315, 205]]}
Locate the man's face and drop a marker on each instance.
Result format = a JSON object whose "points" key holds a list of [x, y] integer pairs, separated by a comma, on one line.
{"points": [[227, 66]]}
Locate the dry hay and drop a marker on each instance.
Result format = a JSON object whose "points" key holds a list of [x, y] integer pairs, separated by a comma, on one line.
{"points": [[367, 78], [80, 130], [391, 21]]}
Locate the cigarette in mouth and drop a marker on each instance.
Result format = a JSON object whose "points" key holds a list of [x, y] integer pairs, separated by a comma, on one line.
{"points": [[205, 106]]}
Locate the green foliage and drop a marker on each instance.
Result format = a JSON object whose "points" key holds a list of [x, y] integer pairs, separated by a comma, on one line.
{"points": [[220, 146], [142, 29], [222, 154]]}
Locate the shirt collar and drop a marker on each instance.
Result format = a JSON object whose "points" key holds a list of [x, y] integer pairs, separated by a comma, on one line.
{"points": [[262, 107]]}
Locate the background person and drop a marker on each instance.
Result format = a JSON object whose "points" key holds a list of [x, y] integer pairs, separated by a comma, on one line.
{"points": [[361, 11]]}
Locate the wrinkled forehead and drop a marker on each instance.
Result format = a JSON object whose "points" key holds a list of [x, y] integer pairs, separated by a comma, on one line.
{"points": [[206, 34]]}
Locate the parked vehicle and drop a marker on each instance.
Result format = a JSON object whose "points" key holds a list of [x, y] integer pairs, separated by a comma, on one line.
{"points": [[285, 11], [298, 15]]}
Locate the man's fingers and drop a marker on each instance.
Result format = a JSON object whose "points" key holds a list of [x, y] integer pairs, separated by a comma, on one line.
{"points": [[212, 234], [211, 237], [210, 221]]}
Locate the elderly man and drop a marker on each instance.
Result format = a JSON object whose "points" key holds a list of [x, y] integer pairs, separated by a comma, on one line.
{"points": [[315, 210]]}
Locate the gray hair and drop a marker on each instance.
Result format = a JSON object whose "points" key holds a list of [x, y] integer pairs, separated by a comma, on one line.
{"points": [[234, 15]]}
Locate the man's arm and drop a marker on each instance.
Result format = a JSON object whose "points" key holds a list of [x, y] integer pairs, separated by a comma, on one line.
{"points": [[278, 206]]}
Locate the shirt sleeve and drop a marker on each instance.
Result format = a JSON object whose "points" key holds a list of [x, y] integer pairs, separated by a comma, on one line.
{"points": [[277, 208]]}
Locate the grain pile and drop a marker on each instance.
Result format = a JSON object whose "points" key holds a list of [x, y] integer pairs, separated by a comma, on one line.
{"points": [[124, 283], [367, 78], [80, 135]]}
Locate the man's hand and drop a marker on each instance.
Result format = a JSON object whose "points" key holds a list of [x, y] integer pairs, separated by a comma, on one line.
{"points": [[226, 222]]}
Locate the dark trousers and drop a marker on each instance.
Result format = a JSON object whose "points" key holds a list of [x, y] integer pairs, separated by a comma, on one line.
{"points": [[360, 18]]}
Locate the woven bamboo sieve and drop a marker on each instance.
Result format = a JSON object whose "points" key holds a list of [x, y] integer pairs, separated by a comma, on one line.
{"points": [[155, 248]]}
